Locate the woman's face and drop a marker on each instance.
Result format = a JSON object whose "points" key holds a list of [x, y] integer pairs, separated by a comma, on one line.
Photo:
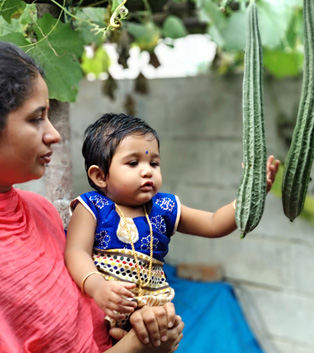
{"points": [[25, 141]]}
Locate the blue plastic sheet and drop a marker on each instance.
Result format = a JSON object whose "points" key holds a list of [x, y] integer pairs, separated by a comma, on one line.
{"points": [[214, 321]]}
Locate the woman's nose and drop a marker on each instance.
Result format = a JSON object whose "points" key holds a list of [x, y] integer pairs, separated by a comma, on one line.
{"points": [[51, 135]]}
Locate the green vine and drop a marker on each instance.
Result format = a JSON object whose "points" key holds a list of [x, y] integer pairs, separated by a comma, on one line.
{"points": [[120, 13]]}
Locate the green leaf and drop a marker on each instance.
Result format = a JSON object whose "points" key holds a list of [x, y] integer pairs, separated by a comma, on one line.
{"points": [[173, 27], [85, 28], [209, 12], [283, 63], [16, 38], [11, 8], [29, 15], [62, 72], [57, 50], [146, 36], [88, 36], [6, 28], [228, 33], [61, 37], [295, 29], [274, 19], [235, 32], [115, 4], [98, 64]]}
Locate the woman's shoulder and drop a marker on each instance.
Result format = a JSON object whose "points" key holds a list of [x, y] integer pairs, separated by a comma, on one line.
{"points": [[39, 206], [34, 199]]}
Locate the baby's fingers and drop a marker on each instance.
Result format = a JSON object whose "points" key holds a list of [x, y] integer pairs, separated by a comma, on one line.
{"points": [[115, 315], [124, 290], [270, 159], [272, 166], [272, 169], [122, 304]]}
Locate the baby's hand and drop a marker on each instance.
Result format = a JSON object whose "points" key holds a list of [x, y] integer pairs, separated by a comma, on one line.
{"points": [[115, 298], [272, 169]]}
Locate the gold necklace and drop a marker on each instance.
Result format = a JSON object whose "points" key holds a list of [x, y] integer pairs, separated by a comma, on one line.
{"points": [[141, 284]]}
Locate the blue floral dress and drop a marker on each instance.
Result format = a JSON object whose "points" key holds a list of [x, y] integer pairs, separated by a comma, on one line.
{"points": [[112, 251]]}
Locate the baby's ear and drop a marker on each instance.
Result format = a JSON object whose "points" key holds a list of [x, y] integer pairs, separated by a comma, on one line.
{"points": [[97, 176]]}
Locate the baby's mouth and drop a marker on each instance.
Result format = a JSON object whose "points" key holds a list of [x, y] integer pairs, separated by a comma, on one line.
{"points": [[149, 185]]}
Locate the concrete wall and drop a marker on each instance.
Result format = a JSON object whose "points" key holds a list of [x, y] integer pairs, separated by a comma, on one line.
{"points": [[199, 121]]}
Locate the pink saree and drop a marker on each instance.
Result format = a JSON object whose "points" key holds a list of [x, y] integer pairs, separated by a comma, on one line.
{"points": [[41, 308]]}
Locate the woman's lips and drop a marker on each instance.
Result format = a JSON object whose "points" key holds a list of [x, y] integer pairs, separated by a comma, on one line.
{"points": [[46, 157]]}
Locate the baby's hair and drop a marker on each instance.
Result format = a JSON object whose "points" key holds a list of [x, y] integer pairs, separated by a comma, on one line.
{"points": [[17, 74], [102, 138]]}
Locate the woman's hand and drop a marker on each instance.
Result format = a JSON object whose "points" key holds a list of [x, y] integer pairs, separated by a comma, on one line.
{"points": [[128, 342], [151, 324]]}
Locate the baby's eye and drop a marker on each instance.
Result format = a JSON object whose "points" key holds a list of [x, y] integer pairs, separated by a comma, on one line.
{"points": [[154, 164], [133, 163]]}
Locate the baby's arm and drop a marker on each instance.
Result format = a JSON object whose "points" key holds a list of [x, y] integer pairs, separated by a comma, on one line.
{"points": [[109, 295], [221, 222], [207, 224]]}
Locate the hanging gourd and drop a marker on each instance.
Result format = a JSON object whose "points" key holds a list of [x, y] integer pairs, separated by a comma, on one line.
{"points": [[253, 187], [300, 155]]}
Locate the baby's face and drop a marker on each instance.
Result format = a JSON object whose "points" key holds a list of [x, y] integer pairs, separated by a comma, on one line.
{"points": [[134, 174]]}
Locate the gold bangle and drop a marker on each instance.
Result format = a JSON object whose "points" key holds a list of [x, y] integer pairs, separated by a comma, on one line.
{"points": [[88, 275], [234, 204]]}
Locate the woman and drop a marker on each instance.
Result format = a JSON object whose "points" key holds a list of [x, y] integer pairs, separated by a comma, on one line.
{"points": [[41, 308]]}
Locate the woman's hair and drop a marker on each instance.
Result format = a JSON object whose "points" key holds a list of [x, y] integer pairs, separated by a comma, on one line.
{"points": [[104, 136], [17, 73]]}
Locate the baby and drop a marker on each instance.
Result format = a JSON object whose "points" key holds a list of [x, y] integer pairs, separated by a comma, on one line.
{"points": [[118, 235]]}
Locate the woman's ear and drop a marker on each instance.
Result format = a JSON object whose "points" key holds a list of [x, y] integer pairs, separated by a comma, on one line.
{"points": [[97, 176]]}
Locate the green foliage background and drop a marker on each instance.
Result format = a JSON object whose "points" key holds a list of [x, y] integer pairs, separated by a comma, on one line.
{"points": [[58, 43]]}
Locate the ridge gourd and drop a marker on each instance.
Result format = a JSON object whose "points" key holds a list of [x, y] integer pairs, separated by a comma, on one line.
{"points": [[299, 160], [253, 187]]}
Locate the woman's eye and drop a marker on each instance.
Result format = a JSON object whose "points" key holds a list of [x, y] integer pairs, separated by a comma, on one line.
{"points": [[37, 120]]}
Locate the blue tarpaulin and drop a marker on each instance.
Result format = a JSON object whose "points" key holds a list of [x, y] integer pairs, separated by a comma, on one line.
{"points": [[214, 321]]}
